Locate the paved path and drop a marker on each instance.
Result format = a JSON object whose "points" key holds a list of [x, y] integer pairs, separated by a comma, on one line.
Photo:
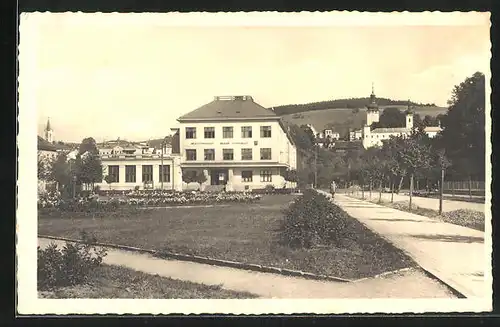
{"points": [[453, 253], [408, 284], [430, 203]]}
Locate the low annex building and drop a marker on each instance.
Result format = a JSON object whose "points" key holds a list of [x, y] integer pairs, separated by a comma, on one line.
{"points": [[237, 144], [133, 165]]}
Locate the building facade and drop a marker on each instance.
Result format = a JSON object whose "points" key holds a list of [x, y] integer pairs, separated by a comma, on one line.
{"points": [[236, 143], [375, 136], [132, 165]]}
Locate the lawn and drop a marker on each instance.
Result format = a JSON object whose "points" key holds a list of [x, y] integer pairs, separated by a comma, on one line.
{"points": [[112, 282], [238, 232]]}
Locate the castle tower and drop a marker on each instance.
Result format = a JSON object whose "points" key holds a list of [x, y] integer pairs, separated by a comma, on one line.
{"points": [[409, 117], [372, 113], [49, 133]]}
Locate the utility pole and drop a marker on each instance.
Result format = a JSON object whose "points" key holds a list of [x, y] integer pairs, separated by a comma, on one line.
{"points": [[316, 166], [441, 187], [161, 167]]}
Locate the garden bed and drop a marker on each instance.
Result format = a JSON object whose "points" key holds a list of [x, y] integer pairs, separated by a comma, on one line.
{"points": [[113, 282], [243, 232]]}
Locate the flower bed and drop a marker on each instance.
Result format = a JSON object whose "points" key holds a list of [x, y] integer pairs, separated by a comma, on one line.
{"points": [[143, 198]]}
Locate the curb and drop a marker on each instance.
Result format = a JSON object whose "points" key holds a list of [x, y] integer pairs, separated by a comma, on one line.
{"points": [[210, 261]]}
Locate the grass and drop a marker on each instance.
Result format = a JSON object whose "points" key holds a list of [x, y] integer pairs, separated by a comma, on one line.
{"points": [[238, 232], [462, 217], [112, 282]]}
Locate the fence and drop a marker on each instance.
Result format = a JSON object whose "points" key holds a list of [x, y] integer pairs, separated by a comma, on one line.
{"points": [[463, 186]]}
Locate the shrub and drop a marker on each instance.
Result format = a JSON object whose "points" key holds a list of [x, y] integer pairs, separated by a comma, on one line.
{"points": [[312, 219], [71, 265]]}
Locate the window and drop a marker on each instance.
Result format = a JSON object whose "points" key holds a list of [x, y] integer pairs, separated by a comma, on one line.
{"points": [[265, 154], [227, 154], [190, 154], [265, 131], [114, 172], [266, 176], [246, 154], [209, 132], [130, 174], [190, 132], [246, 132], [246, 176], [147, 173], [227, 132], [164, 172], [209, 154]]}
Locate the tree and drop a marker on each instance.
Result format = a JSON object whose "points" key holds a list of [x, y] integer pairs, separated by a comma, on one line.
{"points": [[44, 167], [192, 176], [109, 180], [89, 168], [302, 139], [391, 117], [415, 155], [291, 175], [463, 134], [88, 145], [309, 134], [429, 121]]}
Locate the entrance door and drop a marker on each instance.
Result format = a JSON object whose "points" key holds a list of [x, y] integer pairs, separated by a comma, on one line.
{"points": [[218, 176]]}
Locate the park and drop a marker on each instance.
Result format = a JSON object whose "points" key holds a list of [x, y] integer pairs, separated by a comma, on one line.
{"points": [[380, 229]]}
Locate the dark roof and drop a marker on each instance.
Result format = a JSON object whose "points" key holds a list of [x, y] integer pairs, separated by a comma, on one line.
{"points": [[344, 145], [230, 107], [44, 145]]}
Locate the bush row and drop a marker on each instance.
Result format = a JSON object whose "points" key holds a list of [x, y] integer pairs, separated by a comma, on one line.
{"points": [[312, 219]]}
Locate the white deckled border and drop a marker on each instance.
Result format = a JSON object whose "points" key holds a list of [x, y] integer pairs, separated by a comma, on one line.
{"points": [[26, 227]]}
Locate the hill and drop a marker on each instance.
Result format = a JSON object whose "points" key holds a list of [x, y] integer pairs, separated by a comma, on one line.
{"points": [[343, 119], [351, 103]]}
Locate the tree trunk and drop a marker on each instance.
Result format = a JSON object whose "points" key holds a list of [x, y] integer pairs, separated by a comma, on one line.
{"points": [[363, 191], [392, 191], [417, 184], [370, 190], [470, 187], [452, 188], [400, 184], [380, 193], [411, 189], [441, 187]]}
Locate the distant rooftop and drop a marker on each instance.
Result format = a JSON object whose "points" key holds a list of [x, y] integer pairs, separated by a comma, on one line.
{"points": [[44, 145], [391, 130], [230, 107]]}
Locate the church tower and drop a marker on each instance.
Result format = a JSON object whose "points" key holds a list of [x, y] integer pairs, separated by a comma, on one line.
{"points": [[409, 117], [372, 113], [49, 133]]}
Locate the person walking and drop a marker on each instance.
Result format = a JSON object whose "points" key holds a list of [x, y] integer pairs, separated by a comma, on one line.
{"points": [[333, 188]]}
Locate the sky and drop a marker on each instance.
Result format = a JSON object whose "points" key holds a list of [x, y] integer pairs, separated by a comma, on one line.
{"points": [[109, 79]]}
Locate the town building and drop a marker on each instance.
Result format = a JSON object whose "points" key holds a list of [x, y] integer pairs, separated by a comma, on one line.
{"points": [[371, 136], [137, 165], [237, 144]]}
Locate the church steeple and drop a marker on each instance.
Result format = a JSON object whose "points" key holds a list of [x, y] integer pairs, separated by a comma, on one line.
{"points": [[49, 133], [373, 100], [48, 128]]}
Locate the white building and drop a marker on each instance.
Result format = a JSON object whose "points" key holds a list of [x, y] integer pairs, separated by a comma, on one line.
{"points": [[137, 165], [374, 136], [236, 143]]}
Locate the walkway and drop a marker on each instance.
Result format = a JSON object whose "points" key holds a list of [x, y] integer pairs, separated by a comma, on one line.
{"points": [[408, 284], [454, 254], [430, 203]]}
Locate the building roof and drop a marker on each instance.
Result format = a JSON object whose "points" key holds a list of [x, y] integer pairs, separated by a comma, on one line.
{"points": [[230, 107], [344, 145], [43, 145], [391, 130], [432, 129]]}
